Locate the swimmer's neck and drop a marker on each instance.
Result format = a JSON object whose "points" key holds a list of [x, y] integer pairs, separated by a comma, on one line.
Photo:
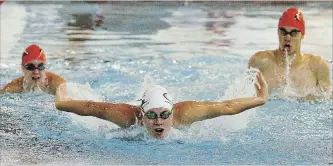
{"points": [[296, 58]]}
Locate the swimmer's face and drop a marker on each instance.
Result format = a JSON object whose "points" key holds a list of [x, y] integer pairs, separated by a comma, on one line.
{"points": [[158, 122], [34, 70], [289, 39]]}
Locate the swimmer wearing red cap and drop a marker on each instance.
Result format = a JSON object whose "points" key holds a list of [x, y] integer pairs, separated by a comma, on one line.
{"points": [[35, 77], [309, 74], [157, 112]]}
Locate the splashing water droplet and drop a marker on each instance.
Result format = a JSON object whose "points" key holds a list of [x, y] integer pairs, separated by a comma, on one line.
{"points": [[288, 61]]}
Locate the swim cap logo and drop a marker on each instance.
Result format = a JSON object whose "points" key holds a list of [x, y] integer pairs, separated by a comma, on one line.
{"points": [[143, 103], [24, 53], [41, 51], [166, 97], [298, 16]]}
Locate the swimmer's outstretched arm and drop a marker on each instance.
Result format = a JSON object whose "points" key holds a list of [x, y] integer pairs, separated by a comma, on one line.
{"points": [[188, 112], [122, 115]]}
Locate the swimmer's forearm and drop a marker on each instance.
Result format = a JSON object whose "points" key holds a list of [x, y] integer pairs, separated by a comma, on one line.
{"points": [[187, 112], [239, 105], [74, 106]]}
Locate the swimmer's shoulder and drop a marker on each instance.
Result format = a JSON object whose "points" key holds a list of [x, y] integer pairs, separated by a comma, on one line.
{"points": [[15, 85], [267, 54], [16, 82], [54, 81], [314, 60], [52, 77], [262, 58], [19, 80], [182, 113]]}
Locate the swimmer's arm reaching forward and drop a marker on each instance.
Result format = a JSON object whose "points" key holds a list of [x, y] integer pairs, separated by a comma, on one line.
{"points": [[187, 112], [122, 115]]}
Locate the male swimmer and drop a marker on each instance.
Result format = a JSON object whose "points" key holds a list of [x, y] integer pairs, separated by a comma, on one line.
{"points": [[307, 73]]}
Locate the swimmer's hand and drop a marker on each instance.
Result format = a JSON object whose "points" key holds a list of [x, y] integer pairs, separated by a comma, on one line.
{"points": [[262, 88]]}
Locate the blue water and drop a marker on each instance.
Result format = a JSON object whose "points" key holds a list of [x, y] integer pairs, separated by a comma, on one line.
{"points": [[199, 51]]}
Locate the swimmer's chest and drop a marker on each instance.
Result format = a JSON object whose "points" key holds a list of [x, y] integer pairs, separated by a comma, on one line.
{"points": [[300, 76]]}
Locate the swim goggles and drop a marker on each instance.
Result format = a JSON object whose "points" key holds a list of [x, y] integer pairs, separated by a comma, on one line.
{"points": [[32, 67], [292, 33], [153, 115]]}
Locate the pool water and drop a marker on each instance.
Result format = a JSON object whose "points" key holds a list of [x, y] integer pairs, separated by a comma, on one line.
{"points": [[198, 51]]}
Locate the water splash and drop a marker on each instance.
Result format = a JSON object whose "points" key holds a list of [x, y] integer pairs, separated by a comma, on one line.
{"points": [[83, 92], [288, 62], [243, 86], [147, 83]]}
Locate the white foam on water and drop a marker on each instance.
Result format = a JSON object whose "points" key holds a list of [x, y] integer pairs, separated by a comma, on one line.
{"points": [[82, 92], [13, 21]]}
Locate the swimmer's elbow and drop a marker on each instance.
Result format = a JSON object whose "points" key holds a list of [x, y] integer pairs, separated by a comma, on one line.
{"points": [[60, 105], [63, 106]]}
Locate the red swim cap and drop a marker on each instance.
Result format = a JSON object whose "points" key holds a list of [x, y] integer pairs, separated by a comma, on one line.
{"points": [[33, 52], [294, 18]]}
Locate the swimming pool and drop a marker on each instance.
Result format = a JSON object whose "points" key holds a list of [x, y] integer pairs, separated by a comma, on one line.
{"points": [[199, 51]]}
